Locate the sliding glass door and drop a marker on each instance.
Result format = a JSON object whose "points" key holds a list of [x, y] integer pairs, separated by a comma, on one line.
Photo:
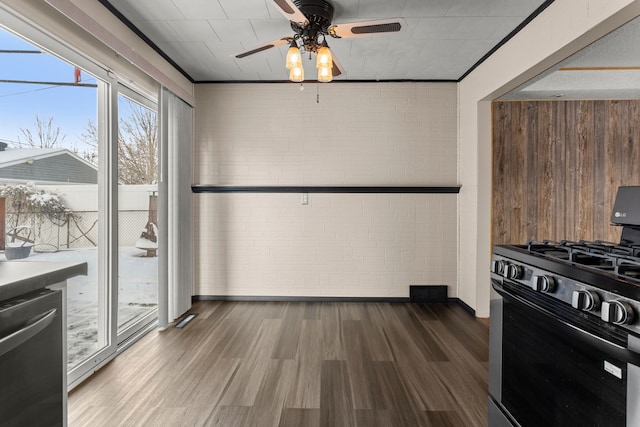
{"points": [[137, 213], [85, 189]]}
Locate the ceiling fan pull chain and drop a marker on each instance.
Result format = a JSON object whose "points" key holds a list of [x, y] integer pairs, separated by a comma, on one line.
{"points": [[317, 92]]}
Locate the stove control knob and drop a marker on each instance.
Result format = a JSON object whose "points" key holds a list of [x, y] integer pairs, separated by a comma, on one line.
{"points": [[514, 271], [498, 266], [618, 312], [543, 284], [585, 300]]}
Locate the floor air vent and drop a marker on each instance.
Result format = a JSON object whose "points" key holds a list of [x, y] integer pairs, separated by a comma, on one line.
{"points": [[185, 321], [432, 293]]}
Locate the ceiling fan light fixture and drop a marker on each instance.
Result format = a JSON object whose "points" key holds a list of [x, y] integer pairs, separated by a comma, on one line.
{"points": [[296, 74], [294, 58], [325, 74], [312, 22]]}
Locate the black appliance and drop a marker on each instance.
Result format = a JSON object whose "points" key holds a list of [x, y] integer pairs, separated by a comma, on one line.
{"points": [[565, 329], [32, 369]]}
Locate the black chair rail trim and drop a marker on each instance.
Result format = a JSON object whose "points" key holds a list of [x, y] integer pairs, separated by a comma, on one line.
{"points": [[322, 189]]}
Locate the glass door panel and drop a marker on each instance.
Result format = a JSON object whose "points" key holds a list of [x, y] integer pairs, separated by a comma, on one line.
{"points": [[50, 111], [137, 216]]}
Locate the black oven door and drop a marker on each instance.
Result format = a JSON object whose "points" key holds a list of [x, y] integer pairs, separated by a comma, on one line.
{"points": [[547, 371]]}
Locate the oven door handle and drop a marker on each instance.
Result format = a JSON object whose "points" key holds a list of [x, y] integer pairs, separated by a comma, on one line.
{"points": [[33, 327], [608, 347]]}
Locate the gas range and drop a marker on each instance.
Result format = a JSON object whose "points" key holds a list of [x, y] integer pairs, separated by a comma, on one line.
{"points": [[599, 278], [565, 328]]}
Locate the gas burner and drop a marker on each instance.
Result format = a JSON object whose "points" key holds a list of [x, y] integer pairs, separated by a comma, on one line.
{"points": [[549, 248], [604, 247]]}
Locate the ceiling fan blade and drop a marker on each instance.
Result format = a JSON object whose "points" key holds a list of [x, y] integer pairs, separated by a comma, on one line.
{"points": [[337, 69], [263, 47], [291, 12], [367, 28]]}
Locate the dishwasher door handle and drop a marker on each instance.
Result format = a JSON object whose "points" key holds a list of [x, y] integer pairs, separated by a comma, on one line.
{"points": [[34, 325]]}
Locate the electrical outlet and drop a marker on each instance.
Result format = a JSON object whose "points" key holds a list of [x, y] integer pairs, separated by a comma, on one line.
{"points": [[304, 199]]}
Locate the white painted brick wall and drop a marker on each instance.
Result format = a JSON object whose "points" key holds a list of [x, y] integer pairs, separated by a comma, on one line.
{"points": [[363, 245]]}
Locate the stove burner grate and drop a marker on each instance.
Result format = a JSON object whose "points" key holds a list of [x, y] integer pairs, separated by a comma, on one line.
{"points": [[620, 260]]}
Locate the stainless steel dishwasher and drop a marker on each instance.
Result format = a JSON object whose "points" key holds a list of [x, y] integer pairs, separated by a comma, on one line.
{"points": [[31, 367]]}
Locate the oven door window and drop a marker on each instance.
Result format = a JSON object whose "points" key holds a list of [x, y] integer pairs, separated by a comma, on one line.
{"points": [[550, 380]]}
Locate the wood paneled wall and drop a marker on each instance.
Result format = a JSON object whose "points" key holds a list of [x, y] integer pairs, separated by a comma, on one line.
{"points": [[557, 166]]}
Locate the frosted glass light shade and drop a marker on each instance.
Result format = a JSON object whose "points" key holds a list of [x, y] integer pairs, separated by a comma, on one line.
{"points": [[325, 75], [294, 58], [296, 74], [324, 57]]}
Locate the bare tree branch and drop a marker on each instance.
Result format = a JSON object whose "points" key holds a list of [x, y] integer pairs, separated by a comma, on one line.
{"points": [[90, 139], [47, 135], [137, 146]]}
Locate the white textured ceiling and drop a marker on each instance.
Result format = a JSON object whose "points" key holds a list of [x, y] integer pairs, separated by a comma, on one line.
{"points": [[442, 39], [606, 69]]}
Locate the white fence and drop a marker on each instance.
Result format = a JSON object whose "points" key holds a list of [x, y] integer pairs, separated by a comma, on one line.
{"points": [[79, 227]]}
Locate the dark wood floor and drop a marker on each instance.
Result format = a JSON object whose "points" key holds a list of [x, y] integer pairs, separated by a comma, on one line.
{"points": [[298, 364]]}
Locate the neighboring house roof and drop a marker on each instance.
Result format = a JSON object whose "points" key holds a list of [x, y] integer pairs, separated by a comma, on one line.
{"points": [[46, 165]]}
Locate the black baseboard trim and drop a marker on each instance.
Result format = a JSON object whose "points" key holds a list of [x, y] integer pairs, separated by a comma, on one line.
{"points": [[260, 298], [464, 305], [198, 188]]}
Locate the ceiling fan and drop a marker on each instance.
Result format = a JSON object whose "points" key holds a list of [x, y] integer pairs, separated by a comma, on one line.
{"points": [[311, 22]]}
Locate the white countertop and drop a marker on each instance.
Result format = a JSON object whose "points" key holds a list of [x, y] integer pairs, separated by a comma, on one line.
{"points": [[20, 277]]}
